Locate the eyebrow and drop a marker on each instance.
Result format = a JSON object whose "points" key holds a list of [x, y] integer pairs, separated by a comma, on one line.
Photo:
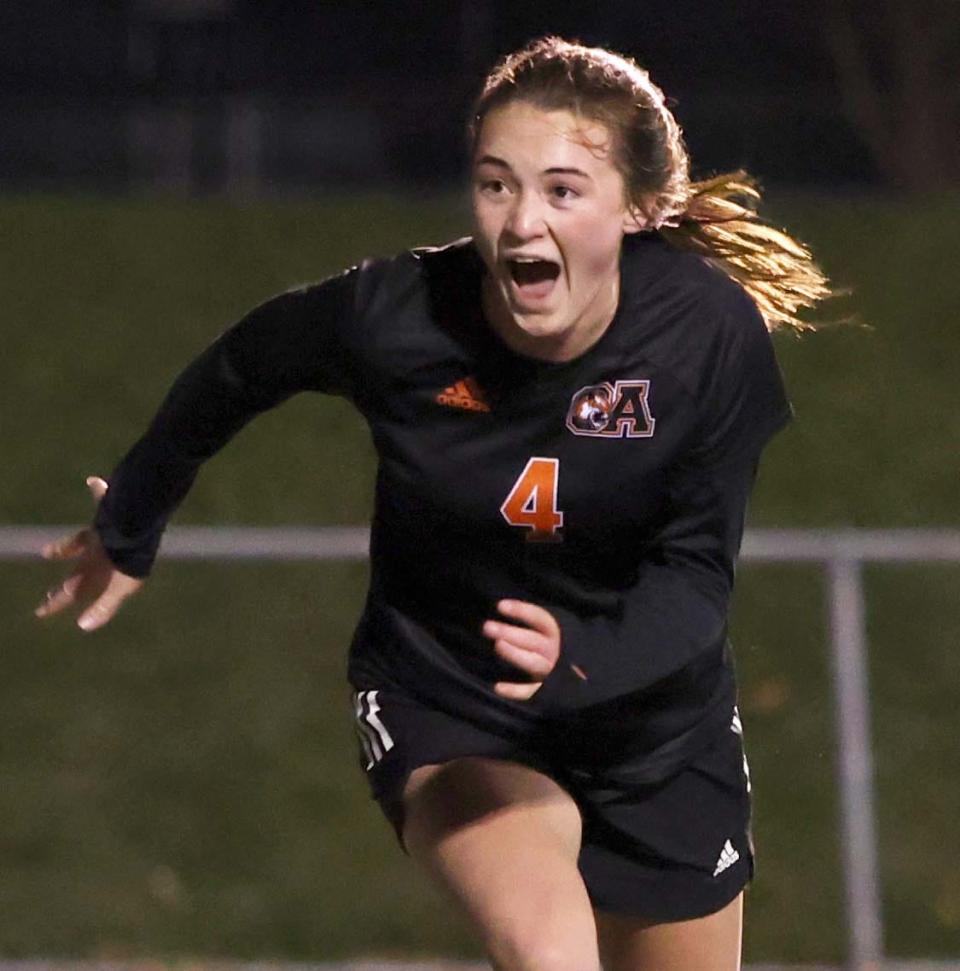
{"points": [[553, 170]]}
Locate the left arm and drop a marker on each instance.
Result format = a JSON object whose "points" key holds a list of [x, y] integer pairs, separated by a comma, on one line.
{"points": [[676, 610], [680, 598]]}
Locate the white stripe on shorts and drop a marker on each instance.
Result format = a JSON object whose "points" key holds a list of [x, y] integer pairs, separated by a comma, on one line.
{"points": [[374, 737], [736, 726]]}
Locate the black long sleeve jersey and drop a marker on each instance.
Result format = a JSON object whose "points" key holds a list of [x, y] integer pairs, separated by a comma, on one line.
{"points": [[610, 489]]}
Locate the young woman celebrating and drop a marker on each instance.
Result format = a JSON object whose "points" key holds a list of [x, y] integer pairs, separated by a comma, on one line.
{"points": [[568, 409]]}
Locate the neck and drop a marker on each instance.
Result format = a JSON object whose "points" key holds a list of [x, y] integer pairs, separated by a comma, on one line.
{"points": [[575, 339]]}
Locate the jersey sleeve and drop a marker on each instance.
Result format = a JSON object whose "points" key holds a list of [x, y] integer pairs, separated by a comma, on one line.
{"points": [[741, 399], [676, 610], [293, 342]]}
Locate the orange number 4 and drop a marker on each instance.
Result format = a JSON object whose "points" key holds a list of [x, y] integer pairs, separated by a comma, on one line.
{"points": [[532, 502]]}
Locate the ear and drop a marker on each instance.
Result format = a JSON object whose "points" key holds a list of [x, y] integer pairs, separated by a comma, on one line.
{"points": [[634, 221]]}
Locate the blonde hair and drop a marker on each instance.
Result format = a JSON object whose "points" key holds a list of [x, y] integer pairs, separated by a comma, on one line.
{"points": [[705, 217]]}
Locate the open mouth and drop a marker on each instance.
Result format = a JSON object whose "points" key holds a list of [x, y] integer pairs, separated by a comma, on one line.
{"points": [[533, 278]]}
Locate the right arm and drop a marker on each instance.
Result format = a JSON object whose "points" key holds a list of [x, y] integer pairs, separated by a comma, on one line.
{"points": [[288, 344]]}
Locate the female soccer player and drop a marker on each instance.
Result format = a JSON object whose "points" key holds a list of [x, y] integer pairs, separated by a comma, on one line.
{"points": [[569, 408]]}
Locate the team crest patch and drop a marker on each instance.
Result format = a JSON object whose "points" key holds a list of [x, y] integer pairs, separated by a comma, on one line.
{"points": [[618, 410]]}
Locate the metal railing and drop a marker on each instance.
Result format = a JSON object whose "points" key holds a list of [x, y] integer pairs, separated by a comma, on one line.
{"points": [[842, 554], [437, 964]]}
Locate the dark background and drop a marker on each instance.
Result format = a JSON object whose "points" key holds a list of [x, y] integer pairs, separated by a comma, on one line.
{"points": [[251, 97], [185, 783]]}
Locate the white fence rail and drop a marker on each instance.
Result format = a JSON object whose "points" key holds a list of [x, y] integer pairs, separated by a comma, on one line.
{"points": [[842, 553]]}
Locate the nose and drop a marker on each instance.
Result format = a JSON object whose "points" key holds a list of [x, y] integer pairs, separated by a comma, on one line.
{"points": [[526, 219]]}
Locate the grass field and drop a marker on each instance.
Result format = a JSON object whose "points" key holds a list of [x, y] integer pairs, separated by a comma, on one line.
{"points": [[184, 782]]}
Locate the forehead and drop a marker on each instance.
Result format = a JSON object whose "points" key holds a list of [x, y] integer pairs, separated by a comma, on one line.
{"points": [[524, 135]]}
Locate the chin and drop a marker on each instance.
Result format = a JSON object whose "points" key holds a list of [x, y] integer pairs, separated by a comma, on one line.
{"points": [[531, 318], [533, 312], [541, 325], [524, 314]]}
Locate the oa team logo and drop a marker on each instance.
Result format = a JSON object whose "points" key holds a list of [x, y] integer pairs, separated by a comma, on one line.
{"points": [[618, 410]]}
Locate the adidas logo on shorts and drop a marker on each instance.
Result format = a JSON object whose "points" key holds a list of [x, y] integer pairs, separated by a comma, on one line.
{"points": [[728, 856]]}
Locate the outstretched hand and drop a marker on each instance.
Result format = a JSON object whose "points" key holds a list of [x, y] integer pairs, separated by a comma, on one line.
{"points": [[95, 581], [531, 643]]}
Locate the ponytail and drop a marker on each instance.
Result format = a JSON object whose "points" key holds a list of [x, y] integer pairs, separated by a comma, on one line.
{"points": [[777, 271]]}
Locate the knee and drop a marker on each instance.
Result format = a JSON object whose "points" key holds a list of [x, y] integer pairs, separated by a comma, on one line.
{"points": [[543, 952]]}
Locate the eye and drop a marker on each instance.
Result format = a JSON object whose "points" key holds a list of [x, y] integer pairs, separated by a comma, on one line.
{"points": [[492, 186], [563, 193]]}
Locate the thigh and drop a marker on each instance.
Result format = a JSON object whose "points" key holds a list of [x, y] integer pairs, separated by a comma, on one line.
{"points": [[675, 851], [503, 840], [710, 943]]}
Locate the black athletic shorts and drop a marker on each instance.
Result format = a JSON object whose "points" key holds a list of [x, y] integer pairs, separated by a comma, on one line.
{"points": [[674, 850]]}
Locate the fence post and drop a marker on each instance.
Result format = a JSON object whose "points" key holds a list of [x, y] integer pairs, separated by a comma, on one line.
{"points": [[855, 763]]}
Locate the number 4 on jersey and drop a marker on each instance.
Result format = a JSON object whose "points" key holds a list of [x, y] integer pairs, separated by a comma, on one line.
{"points": [[532, 502]]}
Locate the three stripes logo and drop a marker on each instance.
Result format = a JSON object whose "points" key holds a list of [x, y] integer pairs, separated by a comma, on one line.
{"points": [[373, 734], [465, 394], [728, 856]]}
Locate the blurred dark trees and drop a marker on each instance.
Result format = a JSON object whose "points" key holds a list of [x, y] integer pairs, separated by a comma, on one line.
{"points": [[246, 97], [897, 67]]}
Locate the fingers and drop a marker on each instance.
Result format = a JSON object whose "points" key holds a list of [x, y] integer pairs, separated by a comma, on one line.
{"points": [[535, 664], [93, 572], [60, 597], [533, 647], [521, 637], [103, 609], [67, 547], [540, 633], [100, 612], [97, 486], [517, 692], [70, 547], [533, 615], [532, 652]]}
